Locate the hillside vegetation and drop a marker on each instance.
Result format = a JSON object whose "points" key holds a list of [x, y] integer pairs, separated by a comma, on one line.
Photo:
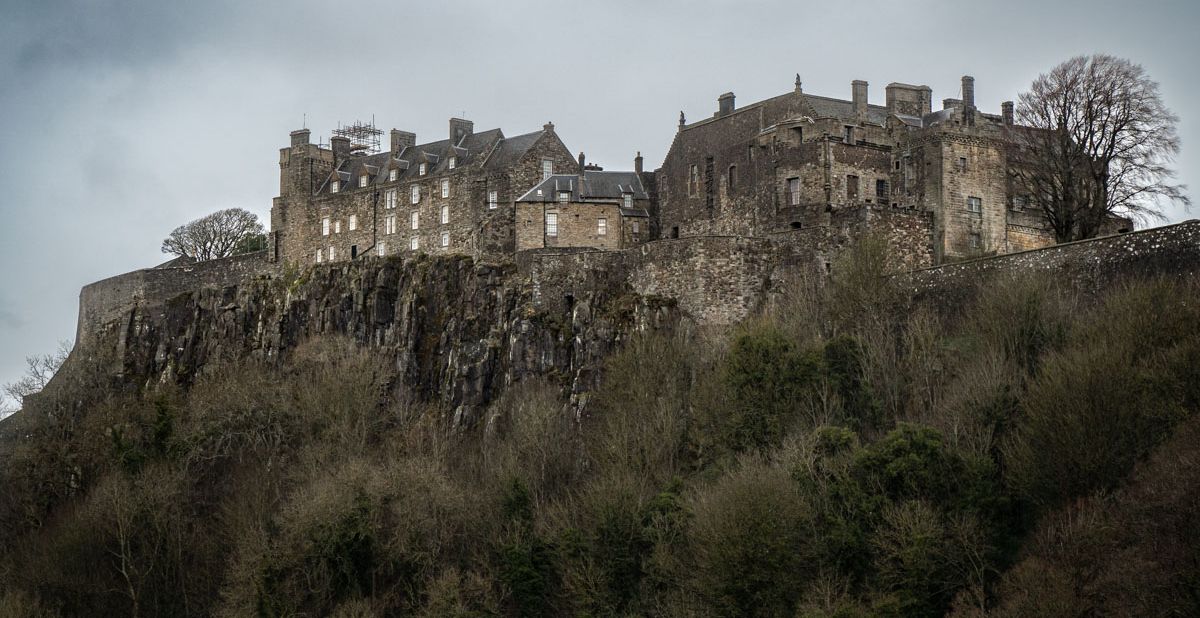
{"points": [[852, 451]]}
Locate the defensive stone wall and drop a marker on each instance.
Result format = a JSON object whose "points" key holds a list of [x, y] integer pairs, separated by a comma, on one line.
{"points": [[108, 299]]}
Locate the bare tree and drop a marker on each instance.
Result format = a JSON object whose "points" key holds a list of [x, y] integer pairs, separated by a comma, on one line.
{"points": [[39, 369], [221, 234], [1094, 140]]}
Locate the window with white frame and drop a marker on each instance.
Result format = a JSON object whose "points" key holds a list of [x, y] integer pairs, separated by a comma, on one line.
{"points": [[414, 220], [416, 194], [320, 256], [362, 180], [636, 228], [352, 223], [564, 197], [389, 224], [493, 200], [334, 186], [381, 249], [332, 254], [453, 162], [628, 197], [602, 226], [389, 198], [793, 189], [414, 243], [445, 214], [552, 224], [393, 174], [337, 226], [547, 169], [445, 187], [325, 226], [421, 169], [445, 239], [974, 204]]}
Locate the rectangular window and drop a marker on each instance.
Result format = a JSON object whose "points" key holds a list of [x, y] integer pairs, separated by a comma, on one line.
{"points": [[552, 224], [381, 249], [636, 228], [493, 200], [453, 162], [445, 214], [975, 241], [414, 243], [325, 226], [881, 190], [564, 197], [628, 197], [337, 226], [389, 224], [389, 198], [414, 220], [848, 135], [353, 222], [602, 227], [334, 186], [793, 190], [416, 194], [445, 239], [693, 180], [362, 180], [392, 174], [962, 164], [975, 204], [332, 254], [445, 188], [547, 169], [421, 169], [852, 188], [320, 256]]}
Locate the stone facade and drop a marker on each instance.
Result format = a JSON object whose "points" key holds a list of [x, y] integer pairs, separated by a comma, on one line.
{"points": [[599, 209], [450, 196], [797, 159]]}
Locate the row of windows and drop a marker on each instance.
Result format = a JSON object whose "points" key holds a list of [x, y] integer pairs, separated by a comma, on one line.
{"points": [[393, 175], [601, 225], [414, 243], [336, 226], [390, 201]]}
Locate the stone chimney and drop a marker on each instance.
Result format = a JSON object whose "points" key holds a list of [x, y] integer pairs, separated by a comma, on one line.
{"points": [[582, 160], [341, 146], [858, 89], [402, 140], [968, 91], [548, 127], [725, 104], [459, 129], [637, 162], [300, 137], [1006, 110], [951, 103]]}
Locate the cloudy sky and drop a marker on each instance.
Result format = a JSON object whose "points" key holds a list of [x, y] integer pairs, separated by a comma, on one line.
{"points": [[121, 119]]}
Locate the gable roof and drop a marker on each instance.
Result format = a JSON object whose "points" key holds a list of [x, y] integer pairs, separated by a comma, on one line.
{"points": [[594, 185]]}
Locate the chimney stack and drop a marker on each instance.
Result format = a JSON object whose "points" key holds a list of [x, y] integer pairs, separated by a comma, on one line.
{"points": [[402, 140], [637, 163], [1006, 110], [968, 91], [300, 137], [725, 104], [581, 162], [858, 89], [548, 127], [459, 129], [341, 147]]}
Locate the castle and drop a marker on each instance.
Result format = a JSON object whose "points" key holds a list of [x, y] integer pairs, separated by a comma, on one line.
{"points": [[790, 162]]}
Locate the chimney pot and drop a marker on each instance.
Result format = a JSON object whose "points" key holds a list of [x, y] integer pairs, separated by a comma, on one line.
{"points": [[637, 163], [725, 104]]}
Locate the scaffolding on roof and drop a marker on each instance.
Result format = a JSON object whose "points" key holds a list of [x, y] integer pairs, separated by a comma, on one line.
{"points": [[363, 136]]}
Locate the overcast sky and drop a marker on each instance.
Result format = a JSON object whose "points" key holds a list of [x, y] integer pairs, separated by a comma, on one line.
{"points": [[121, 119]]}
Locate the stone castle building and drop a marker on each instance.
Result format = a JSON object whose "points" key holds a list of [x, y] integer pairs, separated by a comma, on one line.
{"points": [[453, 195], [797, 159]]}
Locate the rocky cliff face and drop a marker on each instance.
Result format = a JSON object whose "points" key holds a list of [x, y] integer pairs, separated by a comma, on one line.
{"points": [[458, 332]]}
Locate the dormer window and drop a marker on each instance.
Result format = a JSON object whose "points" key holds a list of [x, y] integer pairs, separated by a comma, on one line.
{"points": [[628, 197], [421, 169], [362, 180], [564, 197], [392, 175], [334, 186], [453, 162]]}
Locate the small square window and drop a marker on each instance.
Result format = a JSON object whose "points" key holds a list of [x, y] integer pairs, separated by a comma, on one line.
{"points": [[974, 204], [564, 197], [445, 239]]}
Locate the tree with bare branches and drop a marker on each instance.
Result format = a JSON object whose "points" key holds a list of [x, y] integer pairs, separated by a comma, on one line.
{"points": [[1095, 141], [221, 234]]}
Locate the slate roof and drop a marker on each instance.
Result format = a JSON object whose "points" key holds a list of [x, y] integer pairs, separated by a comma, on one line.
{"points": [[489, 146], [826, 107], [596, 185]]}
